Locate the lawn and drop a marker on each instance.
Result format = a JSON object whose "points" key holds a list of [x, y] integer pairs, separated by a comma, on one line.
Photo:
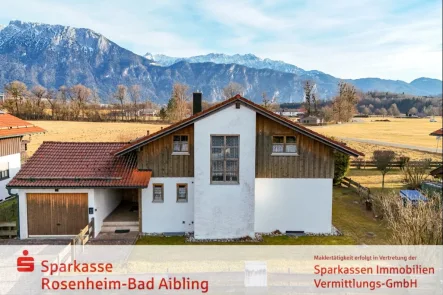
{"points": [[372, 178], [348, 215]]}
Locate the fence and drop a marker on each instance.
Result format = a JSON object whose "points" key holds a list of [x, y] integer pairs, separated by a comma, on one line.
{"points": [[83, 237], [398, 164], [8, 229], [361, 190]]}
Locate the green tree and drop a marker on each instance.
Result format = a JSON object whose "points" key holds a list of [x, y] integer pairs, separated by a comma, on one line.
{"points": [[341, 167]]}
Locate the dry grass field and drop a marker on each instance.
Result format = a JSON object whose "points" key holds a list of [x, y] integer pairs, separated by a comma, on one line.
{"points": [[399, 130], [403, 131], [89, 132]]}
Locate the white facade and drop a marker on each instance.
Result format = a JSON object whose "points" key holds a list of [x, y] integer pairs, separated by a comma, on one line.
{"points": [[224, 210], [14, 163], [169, 216], [293, 204], [104, 201]]}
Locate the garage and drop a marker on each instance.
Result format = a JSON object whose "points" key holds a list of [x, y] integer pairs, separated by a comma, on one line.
{"points": [[56, 214]]}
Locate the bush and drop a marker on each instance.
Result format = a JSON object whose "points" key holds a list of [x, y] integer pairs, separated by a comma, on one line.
{"points": [[412, 223], [403, 162], [416, 173], [341, 167]]}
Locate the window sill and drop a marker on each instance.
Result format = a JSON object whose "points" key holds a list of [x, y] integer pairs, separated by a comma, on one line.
{"points": [[158, 201], [224, 183], [183, 201], [180, 154], [285, 154]]}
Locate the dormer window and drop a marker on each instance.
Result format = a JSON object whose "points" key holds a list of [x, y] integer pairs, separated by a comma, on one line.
{"points": [[284, 145], [180, 144]]}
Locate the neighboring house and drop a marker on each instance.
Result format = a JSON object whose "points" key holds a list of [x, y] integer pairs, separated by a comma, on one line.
{"points": [[438, 133], [12, 130], [227, 172], [291, 112], [311, 120], [147, 112]]}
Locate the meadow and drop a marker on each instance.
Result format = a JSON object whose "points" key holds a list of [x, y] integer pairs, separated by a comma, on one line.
{"points": [[413, 131], [409, 131]]}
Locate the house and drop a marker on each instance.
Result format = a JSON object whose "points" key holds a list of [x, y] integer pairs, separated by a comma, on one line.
{"points": [[230, 171], [12, 145], [291, 112], [311, 120]]}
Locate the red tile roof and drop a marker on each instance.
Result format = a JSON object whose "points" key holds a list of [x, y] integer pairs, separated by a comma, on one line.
{"points": [[75, 164], [438, 132], [11, 126], [306, 131]]}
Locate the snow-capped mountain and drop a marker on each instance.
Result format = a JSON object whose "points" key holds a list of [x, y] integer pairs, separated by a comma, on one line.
{"points": [[421, 86], [55, 55], [249, 60]]}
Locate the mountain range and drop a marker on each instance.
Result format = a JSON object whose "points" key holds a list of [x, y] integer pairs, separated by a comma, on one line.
{"points": [[55, 55]]}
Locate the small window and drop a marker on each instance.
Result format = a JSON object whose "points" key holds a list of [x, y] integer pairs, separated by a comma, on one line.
{"points": [[284, 144], [157, 195], [182, 192], [180, 143], [4, 171]]}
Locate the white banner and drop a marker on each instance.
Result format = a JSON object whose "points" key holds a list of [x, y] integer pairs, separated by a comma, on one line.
{"points": [[221, 269]]}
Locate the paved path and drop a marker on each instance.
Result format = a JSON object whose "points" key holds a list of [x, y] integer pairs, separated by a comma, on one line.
{"points": [[104, 238], [397, 145]]}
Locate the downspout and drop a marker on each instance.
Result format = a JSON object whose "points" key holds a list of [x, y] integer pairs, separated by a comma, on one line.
{"points": [[12, 195]]}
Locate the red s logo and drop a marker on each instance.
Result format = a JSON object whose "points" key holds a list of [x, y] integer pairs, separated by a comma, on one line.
{"points": [[24, 263]]}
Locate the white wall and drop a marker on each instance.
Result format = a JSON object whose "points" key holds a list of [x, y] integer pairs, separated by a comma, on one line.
{"points": [[104, 201], [23, 208], [293, 205], [169, 215], [226, 210], [14, 162]]}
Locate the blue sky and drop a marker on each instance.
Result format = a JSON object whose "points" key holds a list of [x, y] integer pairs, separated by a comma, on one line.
{"points": [[392, 39]]}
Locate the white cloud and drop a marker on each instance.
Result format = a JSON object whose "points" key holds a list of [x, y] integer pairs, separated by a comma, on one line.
{"points": [[349, 39]]}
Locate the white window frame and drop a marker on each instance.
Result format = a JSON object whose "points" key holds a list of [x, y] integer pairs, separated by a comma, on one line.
{"points": [[284, 151], [182, 151]]}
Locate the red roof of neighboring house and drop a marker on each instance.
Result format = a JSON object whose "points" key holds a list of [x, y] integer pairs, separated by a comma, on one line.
{"points": [[299, 128], [438, 132], [80, 164], [11, 126]]}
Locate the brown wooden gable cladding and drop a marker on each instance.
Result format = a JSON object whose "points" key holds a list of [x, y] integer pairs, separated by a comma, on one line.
{"points": [[314, 160], [157, 156], [10, 146]]}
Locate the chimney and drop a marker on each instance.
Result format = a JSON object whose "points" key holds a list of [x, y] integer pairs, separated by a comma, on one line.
{"points": [[147, 132], [196, 102]]}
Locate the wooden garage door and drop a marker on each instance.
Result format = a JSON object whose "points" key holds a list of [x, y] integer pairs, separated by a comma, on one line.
{"points": [[57, 214]]}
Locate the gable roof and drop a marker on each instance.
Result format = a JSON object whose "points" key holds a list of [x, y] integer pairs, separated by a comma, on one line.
{"points": [[11, 126], [438, 132], [259, 109], [80, 164]]}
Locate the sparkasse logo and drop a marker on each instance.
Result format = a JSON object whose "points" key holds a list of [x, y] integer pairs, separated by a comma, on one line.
{"points": [[25, 263]]}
